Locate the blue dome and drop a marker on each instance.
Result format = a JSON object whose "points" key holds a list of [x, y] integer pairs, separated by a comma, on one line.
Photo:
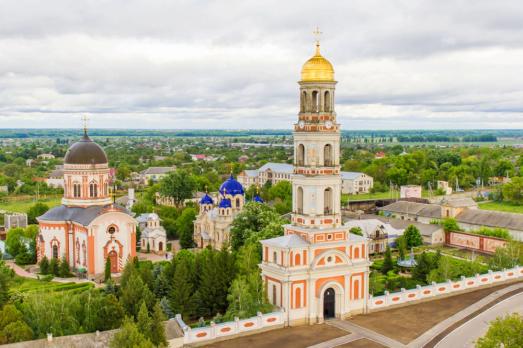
{"points": [[206, 199], [258, 199], [225, 203], [231, 187]]}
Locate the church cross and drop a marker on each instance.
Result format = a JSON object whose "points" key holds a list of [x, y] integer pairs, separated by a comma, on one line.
{"points": [[317, 34], [84, 120]]}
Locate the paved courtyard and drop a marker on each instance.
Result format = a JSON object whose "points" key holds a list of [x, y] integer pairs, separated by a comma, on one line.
{"points": [[293, 337]]}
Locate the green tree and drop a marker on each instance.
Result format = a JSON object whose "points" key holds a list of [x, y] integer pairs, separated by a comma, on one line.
{"points": [[503, 332], [356, 230], [44, 265], [376, 283], [513, 190], [14, 241], [179, 185], [35, 211], [130, 337], [388, 265], [157, 329], [64, 270], [54, 266], [450, 224], [505, 257], [255, 221], [425, 264], [183, 284], [412, 236], [143, 321], [12, 326], [133, 292], [185, 228], [401, 243], [107, 271]]}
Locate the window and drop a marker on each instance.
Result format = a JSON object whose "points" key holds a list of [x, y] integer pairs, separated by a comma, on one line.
{"points": [[298, 297], [303, 102], [315, 101], [55, 251], [327, 155], [237, 202], [77, 190], [327, 201], [299, 200], [275, 257], [274, 295], [297, 260], [111, 230], [93, 189], [327, 102], [300, 156]]}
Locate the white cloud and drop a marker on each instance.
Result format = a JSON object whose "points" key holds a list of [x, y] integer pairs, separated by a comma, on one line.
{"points": [[206, 64]]}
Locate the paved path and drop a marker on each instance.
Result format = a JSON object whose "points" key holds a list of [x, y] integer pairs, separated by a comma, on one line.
{"points": [[442, 326], [338, 341], [465, 335], [365, 333], [23, 273]]}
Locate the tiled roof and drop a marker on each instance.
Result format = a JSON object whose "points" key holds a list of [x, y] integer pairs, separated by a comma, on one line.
{"points": [[350, 175], [288, 241], [490, 218], [278, 167], [414, 208], [158, 170], [83, 216]]}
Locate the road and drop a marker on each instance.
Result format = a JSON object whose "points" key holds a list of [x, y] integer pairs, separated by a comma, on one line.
{"points": [[465, 335]]}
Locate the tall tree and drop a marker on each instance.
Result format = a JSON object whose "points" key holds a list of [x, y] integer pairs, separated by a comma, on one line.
{"points": [[388, 265], [185, 228], [130, 337], [157, 329], [503, 332], [107, 271], [179, 185], [183, 284], [412, 236]]}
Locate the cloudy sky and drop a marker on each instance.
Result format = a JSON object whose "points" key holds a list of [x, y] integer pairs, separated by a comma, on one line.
{"points": [[234, 64]]}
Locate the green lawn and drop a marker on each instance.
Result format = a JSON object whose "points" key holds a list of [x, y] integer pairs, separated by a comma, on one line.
{"points": [[23, 206], [502, 206], [21, 284]]}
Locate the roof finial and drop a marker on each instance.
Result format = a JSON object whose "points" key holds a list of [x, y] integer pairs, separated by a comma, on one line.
{"points": [[85, 119], [317, 34], [206, 189]]}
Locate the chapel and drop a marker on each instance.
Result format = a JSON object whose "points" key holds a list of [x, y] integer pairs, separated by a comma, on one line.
{"points": [[88, 227]]}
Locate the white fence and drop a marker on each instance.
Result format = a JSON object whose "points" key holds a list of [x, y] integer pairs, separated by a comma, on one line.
{"points": [[436, 289], [200, 334]]}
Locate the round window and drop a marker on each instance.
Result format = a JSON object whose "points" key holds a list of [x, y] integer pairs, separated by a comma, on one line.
{"points": [[329, 259], [111, 230]]}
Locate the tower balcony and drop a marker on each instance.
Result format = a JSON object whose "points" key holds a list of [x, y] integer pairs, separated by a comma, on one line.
{"points": [[327, 220], [301, 169]]}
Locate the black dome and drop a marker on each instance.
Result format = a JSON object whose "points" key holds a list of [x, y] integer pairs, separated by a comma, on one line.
{"points": [[85, 151]]}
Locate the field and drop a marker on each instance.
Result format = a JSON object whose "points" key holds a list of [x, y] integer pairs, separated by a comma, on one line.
{"points": [[502, 206], [23, 206], [26, 285]]}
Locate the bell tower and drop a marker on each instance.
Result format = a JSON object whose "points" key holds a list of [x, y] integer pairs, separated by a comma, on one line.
{"points": [[316, 182]]}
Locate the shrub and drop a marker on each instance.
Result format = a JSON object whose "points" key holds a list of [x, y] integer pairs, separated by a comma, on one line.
{"points": [[44, 265]]}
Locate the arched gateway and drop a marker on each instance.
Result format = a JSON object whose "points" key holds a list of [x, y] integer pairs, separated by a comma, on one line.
{"points": [[329, 304]]}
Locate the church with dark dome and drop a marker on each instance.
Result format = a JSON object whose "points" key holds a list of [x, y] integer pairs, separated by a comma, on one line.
{"points": [[88, 228], [213, 223]]}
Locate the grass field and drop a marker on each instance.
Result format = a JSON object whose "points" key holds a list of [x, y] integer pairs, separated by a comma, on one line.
{"points": [[25, 285], [502, 206], [23, 206]]}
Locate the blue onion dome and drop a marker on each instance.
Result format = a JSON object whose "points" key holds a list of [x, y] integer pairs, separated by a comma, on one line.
{"points": [[258, 199], [206, 199], [225, 203], [231, 187]]}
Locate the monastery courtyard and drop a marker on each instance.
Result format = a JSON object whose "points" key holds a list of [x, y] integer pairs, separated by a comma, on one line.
{"points": [[418, 325]]}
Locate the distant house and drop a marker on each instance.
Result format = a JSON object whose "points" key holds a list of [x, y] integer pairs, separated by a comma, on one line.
{"points": [[356, 182], [379, 154], [56, 178], [464, 210], [444, 186], [410, 191], [198, 157], [13, 220], [154, 174], [243, 158], [273, 172], [45, 156]]}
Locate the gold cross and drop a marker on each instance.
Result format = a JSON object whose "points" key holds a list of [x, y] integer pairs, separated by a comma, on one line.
{"points": [[85, 119], [317, 34]]}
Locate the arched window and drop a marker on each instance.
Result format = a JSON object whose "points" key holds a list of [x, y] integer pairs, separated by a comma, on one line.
{"points": [[77, 251], [275, 257], [297, 260], [77, 190], [55, 251], [356, 289], [299, 200], [238, 202], [297, 295], [274, 296], [303, 102], [300, 155], [315, 101], [357, 253], [327, 155], [327, 102], [327, 201], [93, 189]]}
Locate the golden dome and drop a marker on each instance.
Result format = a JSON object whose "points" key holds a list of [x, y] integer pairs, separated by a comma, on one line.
{"points": [[317, 68]]}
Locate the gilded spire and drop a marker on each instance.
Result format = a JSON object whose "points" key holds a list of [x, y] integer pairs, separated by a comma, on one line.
{"points": [[317, 68]]}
